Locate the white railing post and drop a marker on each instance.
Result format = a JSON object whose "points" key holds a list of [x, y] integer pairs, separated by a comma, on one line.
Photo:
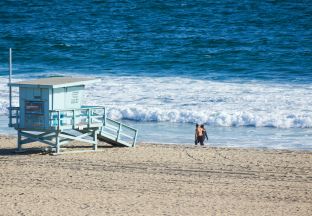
{"points": [[17, 117], [58, 120], [104, 117], [135, 138], [74, 119], [118, 132], [89, 117]]}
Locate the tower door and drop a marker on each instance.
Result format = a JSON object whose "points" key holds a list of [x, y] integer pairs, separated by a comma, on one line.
{"points": [[34, 114]]}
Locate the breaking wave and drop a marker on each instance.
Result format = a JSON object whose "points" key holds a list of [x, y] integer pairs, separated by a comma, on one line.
{"points": [[188, 100]]}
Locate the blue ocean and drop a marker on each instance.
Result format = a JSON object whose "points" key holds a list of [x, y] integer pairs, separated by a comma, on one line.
{"points": [[242, 68]]}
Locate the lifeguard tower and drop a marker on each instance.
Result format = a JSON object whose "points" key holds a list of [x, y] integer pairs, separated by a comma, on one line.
{"points": [[50, 111]]}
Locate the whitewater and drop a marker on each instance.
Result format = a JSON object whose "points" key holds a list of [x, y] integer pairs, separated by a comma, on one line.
{"points": [[186, 100]]}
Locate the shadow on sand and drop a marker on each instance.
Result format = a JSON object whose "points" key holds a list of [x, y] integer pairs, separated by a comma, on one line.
{"points": [[44, 150]]}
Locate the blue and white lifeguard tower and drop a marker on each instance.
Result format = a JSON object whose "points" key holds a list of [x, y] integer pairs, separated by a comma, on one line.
{"points": [[50, 111]]}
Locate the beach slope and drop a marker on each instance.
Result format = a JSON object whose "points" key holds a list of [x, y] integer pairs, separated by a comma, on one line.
{"points": [[156, 180]]}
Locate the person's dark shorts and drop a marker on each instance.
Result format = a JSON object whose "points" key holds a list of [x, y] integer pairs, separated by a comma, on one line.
{"points": [[201, 139]]}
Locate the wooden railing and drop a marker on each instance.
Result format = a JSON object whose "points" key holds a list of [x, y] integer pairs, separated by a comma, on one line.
{"points": [[14, 117], [86, 116]]}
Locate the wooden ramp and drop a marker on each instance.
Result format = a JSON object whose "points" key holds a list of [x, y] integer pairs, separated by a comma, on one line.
{"points": [[117, 134]]}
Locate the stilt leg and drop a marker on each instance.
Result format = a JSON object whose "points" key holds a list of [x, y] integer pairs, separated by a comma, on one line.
{"points": [[19, 141], [57, 142], [95, 132]]}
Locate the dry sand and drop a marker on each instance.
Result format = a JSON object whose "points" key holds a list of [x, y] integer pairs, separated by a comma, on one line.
{"points": [[156, 180]]}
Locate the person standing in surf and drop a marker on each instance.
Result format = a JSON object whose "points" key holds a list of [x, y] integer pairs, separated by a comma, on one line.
{"points": [[205, 136], [196, 139], [201, 134]]}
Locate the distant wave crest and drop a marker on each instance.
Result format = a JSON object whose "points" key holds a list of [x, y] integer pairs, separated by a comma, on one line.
{"points": [[224, 119]]}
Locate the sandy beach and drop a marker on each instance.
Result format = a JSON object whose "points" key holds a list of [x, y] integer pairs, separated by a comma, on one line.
{"points": [[156, 180]]}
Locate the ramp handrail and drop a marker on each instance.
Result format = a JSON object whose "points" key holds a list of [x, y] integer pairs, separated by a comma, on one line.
{"points": [[119, 131]]}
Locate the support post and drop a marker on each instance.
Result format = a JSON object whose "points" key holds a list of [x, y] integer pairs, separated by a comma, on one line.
{"points": [[57, 142], [19, 141], [95, 132]]}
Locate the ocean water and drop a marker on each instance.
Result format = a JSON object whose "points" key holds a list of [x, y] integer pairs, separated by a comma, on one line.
{"points": [[244, 68]]}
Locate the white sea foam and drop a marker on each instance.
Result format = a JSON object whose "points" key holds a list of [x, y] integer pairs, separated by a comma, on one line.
{"points": [[189, 100]]}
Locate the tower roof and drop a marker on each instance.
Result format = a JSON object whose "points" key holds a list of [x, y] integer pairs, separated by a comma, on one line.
{"points": [[56, 82]]}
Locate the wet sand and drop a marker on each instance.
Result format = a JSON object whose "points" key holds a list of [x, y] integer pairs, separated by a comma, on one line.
{"points": [[156, 180]]}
